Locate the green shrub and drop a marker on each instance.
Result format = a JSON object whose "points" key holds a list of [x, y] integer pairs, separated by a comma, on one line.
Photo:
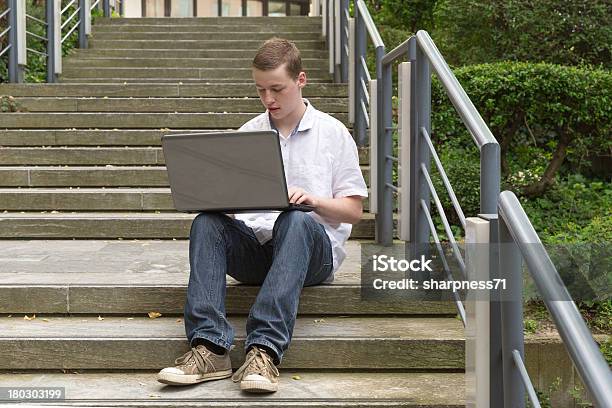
{"points": [[548, 115], [555, 31]]}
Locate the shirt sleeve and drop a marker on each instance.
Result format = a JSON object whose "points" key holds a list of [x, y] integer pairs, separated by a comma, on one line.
{"points": [[347, 179]]}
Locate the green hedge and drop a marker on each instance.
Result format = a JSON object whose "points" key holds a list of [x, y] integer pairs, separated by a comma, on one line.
{"points": [[547, 118]]}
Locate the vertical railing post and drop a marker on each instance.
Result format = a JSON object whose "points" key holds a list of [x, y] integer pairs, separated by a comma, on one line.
{"points": [[54, 47], [490, 175], [404, 137], [384, 218], [316, 8], [477, 324], [17, 40], [106, 8], [122, 8], [344, 38], [496, 379], [330, 36], [337, 40], [83, 13], [510, 267], [359, 127], [419, 152], [374, 109]]}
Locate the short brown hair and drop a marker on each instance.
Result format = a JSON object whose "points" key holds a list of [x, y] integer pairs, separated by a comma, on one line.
{"points": [[276, 52]]}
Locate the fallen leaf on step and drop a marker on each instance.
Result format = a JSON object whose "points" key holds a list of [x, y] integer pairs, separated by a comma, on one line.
{"points": [[45, 320], [296, 377], [9, 316], [319, 320], [26, 317], [130, 318], [143, 384], [178, 320], [154, 315], [100, 317], [154, 396]]}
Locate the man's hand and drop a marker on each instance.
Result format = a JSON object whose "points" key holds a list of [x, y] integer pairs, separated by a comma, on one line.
{"points": [[300, 196], [334, 210]]}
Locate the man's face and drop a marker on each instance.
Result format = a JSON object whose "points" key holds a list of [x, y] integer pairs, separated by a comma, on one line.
{"points": [[279, 92]]}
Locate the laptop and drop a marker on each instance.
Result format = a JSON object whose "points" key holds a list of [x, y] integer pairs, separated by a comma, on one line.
{"points": [[228, 172]]}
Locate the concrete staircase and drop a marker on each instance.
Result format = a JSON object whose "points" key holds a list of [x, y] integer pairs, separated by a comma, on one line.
{"points": [[90, 243]]}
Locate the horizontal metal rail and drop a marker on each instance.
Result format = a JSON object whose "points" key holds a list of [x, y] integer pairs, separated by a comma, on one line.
{"points": [[36, 36], [444, 177], [396, 53], [5, 12], [5, 31], [518, 361], [449, 276], [6, 49], [71, 31], [44, 54], [576, 337], [67, 7], [36, 19], [70, 18], [447, 228]]}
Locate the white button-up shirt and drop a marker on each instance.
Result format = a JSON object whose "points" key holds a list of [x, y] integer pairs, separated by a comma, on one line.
{"points": [[321, 158]]}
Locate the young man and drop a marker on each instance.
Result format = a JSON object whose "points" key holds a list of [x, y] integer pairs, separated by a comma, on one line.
{"points": [[282, 252]]}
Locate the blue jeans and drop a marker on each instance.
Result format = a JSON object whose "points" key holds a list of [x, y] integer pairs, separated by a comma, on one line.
{"points": [[299, 254]]}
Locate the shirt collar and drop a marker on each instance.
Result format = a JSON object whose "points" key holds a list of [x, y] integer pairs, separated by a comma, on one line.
{"points": [[305, 123]]}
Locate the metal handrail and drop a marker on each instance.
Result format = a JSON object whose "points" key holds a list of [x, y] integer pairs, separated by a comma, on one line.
{"points": [[369, 24], [574, 332], [457, 95], [79, 19]]}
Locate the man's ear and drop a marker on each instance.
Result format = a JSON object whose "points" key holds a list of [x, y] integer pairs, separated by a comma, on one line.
{"points": [[302, 79]]}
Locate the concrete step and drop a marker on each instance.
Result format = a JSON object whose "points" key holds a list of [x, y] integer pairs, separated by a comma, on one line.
{"points": [[90, 137], [207, 36], [209, 28], [154, 44], [84, 176], [130, 120], [11, 156], [111, 198], [137, 225], [308, 389], [212, 21], [132, 277], [125, 62], [184, 53], [328, 342], [160, 90], [142, 105], [178, 73]]}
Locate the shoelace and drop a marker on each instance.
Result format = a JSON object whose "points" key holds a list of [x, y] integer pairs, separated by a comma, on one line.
{"points": [[200, 360], [260, 360]]}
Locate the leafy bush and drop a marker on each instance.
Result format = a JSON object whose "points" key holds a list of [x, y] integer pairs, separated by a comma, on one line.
{"points": [[539, 113], [567, 32], [411, 15]]}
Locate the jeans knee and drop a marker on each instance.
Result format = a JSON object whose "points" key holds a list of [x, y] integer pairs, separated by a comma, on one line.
{"points": [[293, 219], [207, 223]]}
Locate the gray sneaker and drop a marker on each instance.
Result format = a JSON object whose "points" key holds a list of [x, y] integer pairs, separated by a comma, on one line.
{"points": [[258, 373], [197, 365]]}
